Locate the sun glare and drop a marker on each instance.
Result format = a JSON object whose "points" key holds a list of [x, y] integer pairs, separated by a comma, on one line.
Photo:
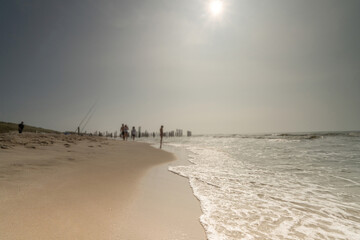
{"points": [[216, 7]]}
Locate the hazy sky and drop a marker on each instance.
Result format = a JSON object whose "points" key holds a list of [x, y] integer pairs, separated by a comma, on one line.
{"points": [[258, 66]]}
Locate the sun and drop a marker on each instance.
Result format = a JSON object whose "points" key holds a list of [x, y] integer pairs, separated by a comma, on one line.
{"points": [[216, 7]]}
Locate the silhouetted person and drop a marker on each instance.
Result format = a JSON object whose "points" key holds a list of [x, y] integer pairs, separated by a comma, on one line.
{"points": [[133, 133], [126, 132], [21, 127], [122, 130], [161, 135]]}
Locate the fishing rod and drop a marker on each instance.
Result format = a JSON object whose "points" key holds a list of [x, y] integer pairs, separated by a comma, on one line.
{"points": [[87, 118], [90, 116]]}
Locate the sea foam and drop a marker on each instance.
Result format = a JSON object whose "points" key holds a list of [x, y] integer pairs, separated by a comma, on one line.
{"points": [[275, 186]]}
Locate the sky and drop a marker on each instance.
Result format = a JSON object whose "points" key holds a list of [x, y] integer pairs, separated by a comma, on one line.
{"points": [[255, 66]]}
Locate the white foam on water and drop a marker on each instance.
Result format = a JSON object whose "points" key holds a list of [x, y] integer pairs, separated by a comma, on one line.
{"points": [[266, 189]]}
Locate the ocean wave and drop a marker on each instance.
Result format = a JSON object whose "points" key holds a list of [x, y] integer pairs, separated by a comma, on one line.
{"points": [[291, 136], [254, 189]]}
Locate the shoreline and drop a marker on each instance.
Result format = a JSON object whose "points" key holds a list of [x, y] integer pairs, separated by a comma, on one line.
{"points": [[170, 195], [67, 187]]}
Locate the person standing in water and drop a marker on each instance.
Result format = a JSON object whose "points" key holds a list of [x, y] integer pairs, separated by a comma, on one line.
{"points": [[161, 135]]}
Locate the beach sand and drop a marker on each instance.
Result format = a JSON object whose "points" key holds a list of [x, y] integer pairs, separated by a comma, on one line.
{"points": [[70, 187]]}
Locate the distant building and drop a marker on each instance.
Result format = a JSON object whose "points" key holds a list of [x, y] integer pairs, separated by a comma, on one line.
{"points": [[179, 133]]}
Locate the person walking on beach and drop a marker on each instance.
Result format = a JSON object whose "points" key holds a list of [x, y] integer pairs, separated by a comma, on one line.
{"points": [[133, 133], [122, 130], [126, 132], [21, 127], [161, 135]]}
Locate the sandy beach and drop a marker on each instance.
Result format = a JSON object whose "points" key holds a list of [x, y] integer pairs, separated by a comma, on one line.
{"points": [[69, 187]]}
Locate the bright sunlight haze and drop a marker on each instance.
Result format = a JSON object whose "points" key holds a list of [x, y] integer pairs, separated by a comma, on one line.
{"points": [[216, 7]]}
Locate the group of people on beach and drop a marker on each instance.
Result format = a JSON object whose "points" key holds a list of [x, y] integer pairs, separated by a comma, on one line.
{"points": [[124, 132]]}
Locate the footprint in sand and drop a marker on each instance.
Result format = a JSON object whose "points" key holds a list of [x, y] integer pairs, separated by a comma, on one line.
{"points": [[30, 146]]}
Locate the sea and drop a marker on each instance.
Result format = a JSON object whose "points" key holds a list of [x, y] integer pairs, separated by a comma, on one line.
{"points": [[274, 186]]}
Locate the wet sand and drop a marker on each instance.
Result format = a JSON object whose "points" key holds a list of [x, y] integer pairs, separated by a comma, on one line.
{"points": [[70, 187]]}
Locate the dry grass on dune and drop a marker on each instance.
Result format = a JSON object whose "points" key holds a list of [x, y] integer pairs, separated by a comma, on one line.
{"points": [[34, 140], [6, 127]]}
